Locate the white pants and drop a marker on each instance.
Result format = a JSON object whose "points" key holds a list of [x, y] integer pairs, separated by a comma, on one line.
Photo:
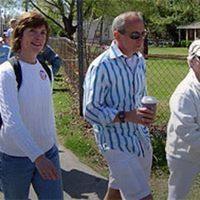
{"points": [[182, 175], [129, 173]]}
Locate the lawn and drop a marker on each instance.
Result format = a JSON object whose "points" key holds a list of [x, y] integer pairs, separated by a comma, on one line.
{"points": [[158, 184], [168, 50], [163, 75], [74, 133]]}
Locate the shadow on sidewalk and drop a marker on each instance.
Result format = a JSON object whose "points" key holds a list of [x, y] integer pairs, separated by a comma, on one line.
{"points": [[78, 183]]}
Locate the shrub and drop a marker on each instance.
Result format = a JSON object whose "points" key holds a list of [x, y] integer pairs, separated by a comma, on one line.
{"points": [[184, 43], [158, 139]]}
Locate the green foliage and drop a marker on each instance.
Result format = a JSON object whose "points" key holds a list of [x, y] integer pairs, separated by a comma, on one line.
{"points": [[161, 16], [105, 8], [10, 9], [158, 139], [183, 43], [61, 14]]}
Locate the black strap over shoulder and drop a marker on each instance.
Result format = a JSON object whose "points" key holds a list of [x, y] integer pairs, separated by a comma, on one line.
{"points": [[17, 69], [47, 69], [18, 73]]}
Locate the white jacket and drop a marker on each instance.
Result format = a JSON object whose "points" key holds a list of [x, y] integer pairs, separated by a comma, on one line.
{"points": [[183, 131]]}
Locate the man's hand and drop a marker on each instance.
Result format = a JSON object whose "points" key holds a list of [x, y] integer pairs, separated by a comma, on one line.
{"points": [[141, 115], [46, 168]]}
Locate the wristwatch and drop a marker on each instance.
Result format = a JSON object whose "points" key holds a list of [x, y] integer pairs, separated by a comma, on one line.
{"points": [[121, 115]]}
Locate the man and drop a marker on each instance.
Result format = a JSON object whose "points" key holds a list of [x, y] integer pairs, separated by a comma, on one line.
{"points": [[113, 88], [12, 24], [5, 51], [48, 56], [183, 132]]}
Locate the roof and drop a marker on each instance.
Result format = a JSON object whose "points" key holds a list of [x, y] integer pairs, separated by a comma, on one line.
{"points": [[194, 25]]}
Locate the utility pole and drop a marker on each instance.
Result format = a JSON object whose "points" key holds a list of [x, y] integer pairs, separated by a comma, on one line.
{"points": [[26, 5], [1, 20], [79, 4]]}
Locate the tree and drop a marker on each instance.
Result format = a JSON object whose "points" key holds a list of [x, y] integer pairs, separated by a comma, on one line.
{"points": [[60, 13], [8, 9], [161, 16]]}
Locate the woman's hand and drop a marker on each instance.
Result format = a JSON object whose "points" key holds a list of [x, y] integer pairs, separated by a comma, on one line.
{"points": [[46, 168]]}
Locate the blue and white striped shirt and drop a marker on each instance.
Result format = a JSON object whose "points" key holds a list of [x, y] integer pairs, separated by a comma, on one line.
{"points": [[110, 86]]}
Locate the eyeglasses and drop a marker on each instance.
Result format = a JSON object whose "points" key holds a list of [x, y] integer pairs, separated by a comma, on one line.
{"points": [[136, 35]]}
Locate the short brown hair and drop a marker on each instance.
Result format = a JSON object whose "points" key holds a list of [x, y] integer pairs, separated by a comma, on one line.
{"points": [[120, 22], [31, 19]]}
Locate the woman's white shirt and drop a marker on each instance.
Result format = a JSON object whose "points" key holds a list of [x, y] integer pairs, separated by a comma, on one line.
{"points": [[28, 117]]}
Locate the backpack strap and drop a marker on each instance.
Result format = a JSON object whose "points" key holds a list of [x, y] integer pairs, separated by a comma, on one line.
{"points": [[17, 69], [18, 73], [47, 69]]}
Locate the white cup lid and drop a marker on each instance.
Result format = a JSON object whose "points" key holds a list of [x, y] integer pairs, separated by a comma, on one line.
{"points": [[149, 100]]}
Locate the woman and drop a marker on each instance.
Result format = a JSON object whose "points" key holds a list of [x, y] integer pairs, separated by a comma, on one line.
{"points": [[28, 152]]}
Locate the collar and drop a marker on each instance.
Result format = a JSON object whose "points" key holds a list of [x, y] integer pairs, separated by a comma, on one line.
{"points": [[115, 52]]}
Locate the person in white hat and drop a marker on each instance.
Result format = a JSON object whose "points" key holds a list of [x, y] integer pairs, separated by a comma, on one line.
{"points": [[183, 131]]}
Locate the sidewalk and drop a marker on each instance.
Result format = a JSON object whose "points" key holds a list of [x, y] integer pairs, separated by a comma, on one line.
{"points": [[79, 181]]}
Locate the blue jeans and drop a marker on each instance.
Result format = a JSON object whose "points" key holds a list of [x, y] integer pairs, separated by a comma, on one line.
{"points": [[18, 173]]}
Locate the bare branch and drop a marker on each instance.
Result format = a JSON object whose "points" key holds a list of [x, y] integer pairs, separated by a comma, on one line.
{"points": [[51, 3], [58, 24]]}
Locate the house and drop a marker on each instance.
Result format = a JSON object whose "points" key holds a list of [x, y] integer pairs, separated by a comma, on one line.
{"points": [[189, 32], [98, 30]]}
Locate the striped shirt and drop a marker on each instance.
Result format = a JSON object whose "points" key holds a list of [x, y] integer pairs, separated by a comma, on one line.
{"points": [[112, 85]]}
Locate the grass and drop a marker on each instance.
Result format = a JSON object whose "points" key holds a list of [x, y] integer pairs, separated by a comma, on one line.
{"points": [[163, 75], [74, 133], [158, 184], [168, 50], [159, 180]]}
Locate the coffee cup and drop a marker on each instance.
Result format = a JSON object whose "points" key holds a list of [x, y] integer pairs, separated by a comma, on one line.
{"points": [[149, 102]]}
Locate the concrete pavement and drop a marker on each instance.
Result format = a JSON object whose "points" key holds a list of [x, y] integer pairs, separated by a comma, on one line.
{"points": [[80, 182]]}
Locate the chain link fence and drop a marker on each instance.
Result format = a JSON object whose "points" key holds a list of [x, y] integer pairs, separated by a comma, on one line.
{"points": [[67, 50], [163, 72], [163, 75]]}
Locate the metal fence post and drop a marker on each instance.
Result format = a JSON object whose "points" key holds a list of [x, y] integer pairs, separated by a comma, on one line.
{"points": [[26, 5], [80, 52]]}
